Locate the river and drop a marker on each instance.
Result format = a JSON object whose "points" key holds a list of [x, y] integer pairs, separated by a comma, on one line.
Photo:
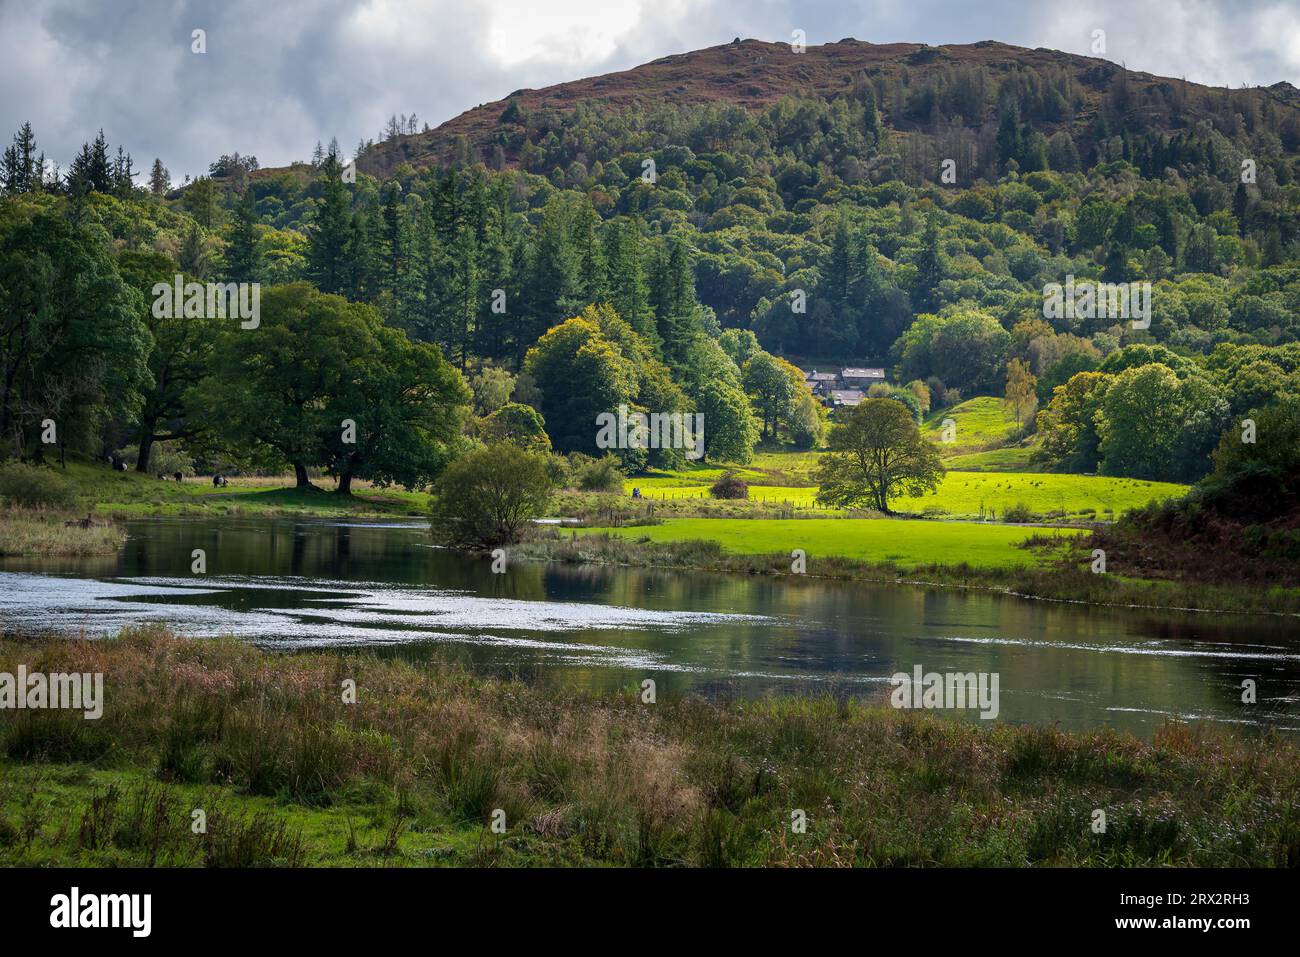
{"points": [[294, 583]]}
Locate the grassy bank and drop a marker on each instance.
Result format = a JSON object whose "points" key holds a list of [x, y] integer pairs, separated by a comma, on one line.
{"points": [[902, 543], [411, 774], [133, 495], [34, 533], [1055, 569]]}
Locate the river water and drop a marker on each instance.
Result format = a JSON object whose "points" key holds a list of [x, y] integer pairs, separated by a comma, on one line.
{"points": [[293, 583]]}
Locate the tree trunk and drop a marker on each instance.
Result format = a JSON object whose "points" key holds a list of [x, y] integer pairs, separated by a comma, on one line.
{"points": [[300, 473], [146, 448], [345, 484]]}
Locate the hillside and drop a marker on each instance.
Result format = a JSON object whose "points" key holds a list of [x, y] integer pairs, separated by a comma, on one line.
{"points": [[794, 211], [920, 88]]}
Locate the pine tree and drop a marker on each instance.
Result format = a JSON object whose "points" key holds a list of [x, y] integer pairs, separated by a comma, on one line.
{"points": [[836, 268], [328, 235], [19, 172], [394, 235], [673, 296], [11, 175], [123, 174], [79, 175], [421, 291], [243, 254], [463, 296], [100, 171], [593, 284], [930, 268], [629, 292], [194, 253], [446, 208], [160, 180], [364, 258], [1009, 135], [870, 118], [496, 261], [553, 273], [201, 201]]}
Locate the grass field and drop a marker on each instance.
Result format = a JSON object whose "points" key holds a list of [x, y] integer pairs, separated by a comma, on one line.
{"points": [[129, 494], [988, 475], [960, 494], [415, 771], [990, 494], [1011, 458], [981, 422], [903, 542]]}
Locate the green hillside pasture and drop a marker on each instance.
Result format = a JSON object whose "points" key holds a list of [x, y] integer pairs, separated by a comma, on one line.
{"points": [[1010, 458], [967, 494], [981, 422], [1049, 494]]}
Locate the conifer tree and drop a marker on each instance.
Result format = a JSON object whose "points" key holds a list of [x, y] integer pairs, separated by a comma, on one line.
{"points": [[330, 230], [160, 180], [243, 255]]}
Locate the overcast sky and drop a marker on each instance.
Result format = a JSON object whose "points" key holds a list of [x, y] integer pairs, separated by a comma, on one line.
{"points": [[280, 74]]}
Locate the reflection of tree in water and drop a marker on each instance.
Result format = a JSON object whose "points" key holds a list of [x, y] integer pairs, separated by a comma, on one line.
{"points": [[298, 553], [342, 549]]}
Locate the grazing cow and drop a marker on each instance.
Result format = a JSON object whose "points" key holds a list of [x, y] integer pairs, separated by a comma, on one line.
{"points": [[219, 481], [179, 477], [119, 465]]}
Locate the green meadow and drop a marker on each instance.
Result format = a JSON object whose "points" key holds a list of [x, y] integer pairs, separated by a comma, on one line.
{"points": [[902, 542], [979, 423], [960, 494], [134, 495]]}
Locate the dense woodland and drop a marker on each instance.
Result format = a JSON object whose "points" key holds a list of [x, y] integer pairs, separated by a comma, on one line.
{"points": [[673, 258]]}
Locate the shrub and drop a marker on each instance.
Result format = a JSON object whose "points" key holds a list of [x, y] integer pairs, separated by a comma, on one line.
{"points": [[30, 486], [730, 485], [597, 475], [1020, 513], [488, 497]]}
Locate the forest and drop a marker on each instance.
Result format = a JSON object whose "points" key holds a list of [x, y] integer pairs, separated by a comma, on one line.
{"points": [[693, 259]]}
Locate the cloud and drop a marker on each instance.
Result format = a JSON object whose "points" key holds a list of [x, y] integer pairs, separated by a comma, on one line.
{"points": [[278, 76]]}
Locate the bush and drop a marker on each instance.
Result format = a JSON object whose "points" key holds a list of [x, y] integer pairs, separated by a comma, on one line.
{"points": [[597, 475], [488, 497], [1018, 513], [730, 485], [30, 486]]}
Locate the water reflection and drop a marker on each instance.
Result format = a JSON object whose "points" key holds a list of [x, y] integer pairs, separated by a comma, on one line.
{"points": [[291, 583]]}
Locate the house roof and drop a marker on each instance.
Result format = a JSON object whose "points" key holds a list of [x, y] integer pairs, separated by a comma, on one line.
{"points": [[816, 376], [847, 396], [858, 373]]}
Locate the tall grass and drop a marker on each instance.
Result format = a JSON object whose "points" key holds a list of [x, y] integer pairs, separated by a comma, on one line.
{"points": [[45, 533], [416, 770]]}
